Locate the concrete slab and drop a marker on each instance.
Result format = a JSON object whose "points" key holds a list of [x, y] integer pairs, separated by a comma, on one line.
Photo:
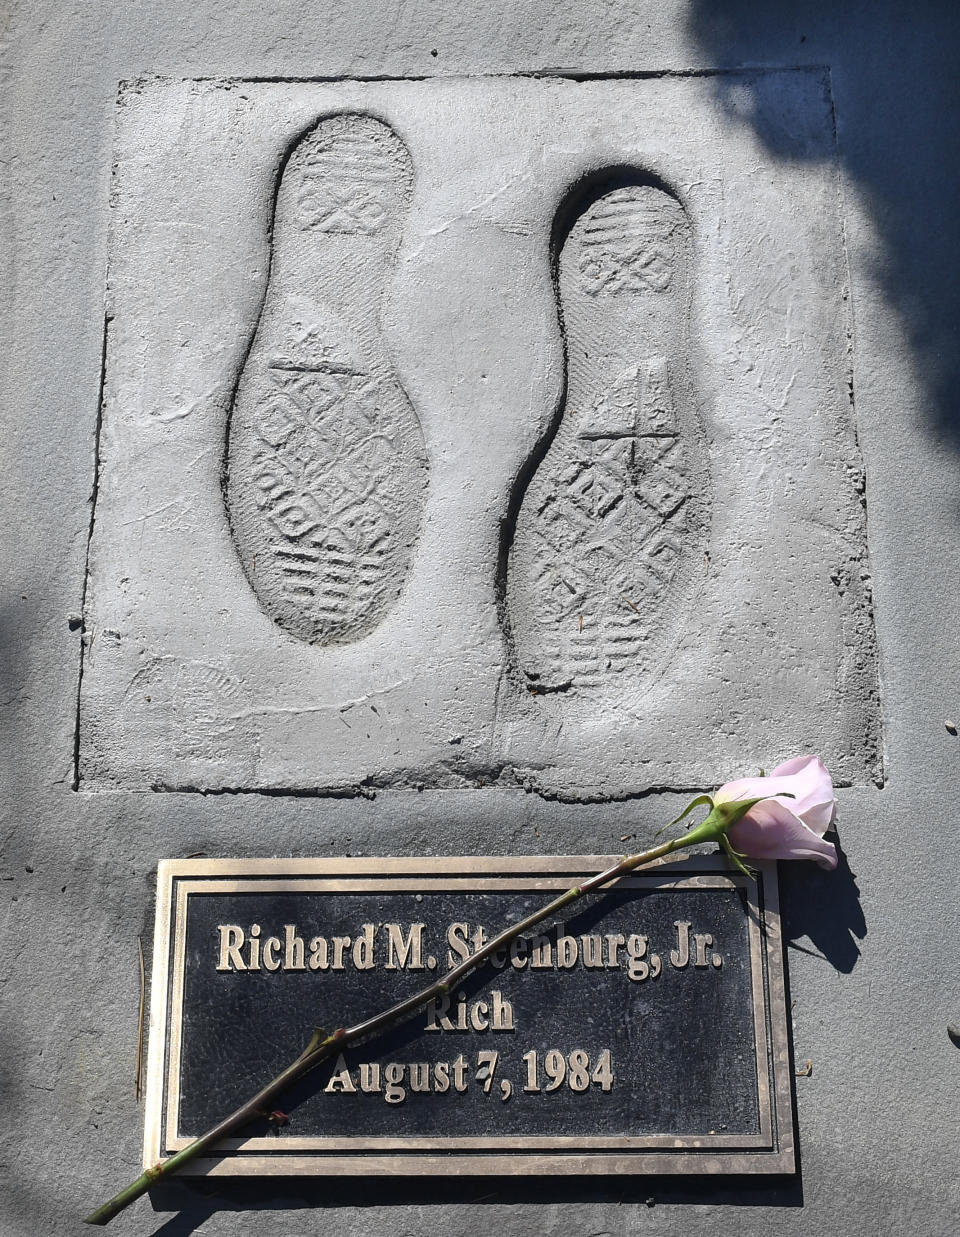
{"points": [[475, 431]]}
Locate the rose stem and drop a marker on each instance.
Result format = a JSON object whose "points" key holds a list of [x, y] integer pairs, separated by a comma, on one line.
{"points": [[323, 1046]]}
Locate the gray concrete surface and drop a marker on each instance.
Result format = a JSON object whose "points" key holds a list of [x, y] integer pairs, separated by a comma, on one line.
{"points": [[563, 601], [873, 956]]}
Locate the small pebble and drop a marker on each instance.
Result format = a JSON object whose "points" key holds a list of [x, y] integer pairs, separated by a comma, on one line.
{"points": [[954, 1034], [951, 727]]}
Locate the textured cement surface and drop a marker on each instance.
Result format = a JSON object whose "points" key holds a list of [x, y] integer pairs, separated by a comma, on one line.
{"points": [[874, 956], [635, 534]]}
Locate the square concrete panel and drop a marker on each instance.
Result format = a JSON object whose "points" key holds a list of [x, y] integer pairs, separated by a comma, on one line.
{"points": [[474, 431]]}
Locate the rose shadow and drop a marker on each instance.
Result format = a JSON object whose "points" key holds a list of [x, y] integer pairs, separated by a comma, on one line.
{"points": [[824, 907]]}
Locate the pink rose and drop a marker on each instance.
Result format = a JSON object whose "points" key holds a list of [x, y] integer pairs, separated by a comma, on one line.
{"points": [[780, 827]]}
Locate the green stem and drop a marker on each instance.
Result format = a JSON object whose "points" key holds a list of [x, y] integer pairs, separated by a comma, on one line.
{"points": [[323, 1046]]}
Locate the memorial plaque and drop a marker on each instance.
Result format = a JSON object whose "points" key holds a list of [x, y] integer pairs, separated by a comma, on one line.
{"points": [[645, 1032]]}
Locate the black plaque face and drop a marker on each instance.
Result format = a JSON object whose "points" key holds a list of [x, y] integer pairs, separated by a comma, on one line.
{"points": [[643, 1033]]}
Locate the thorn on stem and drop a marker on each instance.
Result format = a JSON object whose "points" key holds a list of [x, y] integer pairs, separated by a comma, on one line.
{"points": [[316, 1039], [736, 857]]}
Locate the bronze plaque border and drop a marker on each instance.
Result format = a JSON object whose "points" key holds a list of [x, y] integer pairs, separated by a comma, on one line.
{"points": [[770, 1151]]}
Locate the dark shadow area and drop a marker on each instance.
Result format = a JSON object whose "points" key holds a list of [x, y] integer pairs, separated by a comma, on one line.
{"points": [[196, 1201], [825, 908], [896, 92]]}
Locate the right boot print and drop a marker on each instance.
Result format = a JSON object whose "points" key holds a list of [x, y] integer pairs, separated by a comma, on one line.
{"points": [[611, 532], [326, 470]]}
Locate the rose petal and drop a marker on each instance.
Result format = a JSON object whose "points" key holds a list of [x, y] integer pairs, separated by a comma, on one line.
{"points": [[770, 830], [795, 765], [784, 789], [815, 802], [805, 778], [753, 788]]}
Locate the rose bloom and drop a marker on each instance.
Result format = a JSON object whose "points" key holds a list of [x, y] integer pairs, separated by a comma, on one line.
{"points": [[780, 827]]}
